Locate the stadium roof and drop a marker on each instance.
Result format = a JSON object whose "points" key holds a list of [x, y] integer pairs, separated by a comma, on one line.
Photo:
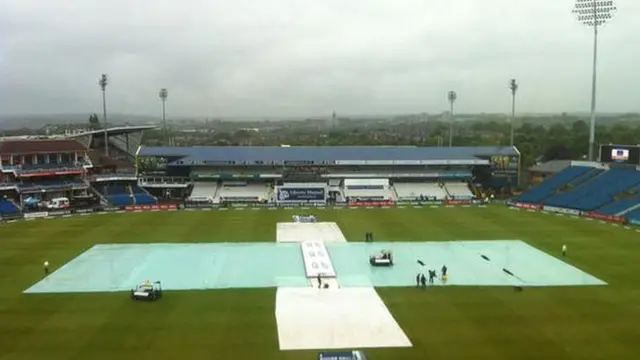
{"points": [[114, 131], [214, 154], [39, 146], [553, 166]]}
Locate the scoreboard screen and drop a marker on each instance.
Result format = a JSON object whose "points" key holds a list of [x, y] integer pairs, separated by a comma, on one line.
{"points": [[620, 154]]}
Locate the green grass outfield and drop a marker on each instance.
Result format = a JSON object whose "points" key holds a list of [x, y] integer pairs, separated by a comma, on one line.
{"points": [[600, 322]]}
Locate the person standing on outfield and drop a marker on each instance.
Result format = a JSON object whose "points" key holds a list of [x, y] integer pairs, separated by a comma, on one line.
{"points": [[432, 275], [564, 250], [445, 275], [46, 268]]}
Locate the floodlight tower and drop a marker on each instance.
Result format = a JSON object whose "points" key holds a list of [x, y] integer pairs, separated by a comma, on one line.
{"points": [[163, 97], [594, 13], [452, 97], [513, 85], [103, 81]]}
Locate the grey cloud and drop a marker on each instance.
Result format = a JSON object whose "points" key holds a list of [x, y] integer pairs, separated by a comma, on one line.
{"points": [[293, 57]]}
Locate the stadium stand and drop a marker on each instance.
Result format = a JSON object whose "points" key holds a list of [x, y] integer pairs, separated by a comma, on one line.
{"points": [[125, 194], [413, 191], [204, 192], [334, 174], [123, 144], [634, 213], [623, 204], [8, 208], [597, 192], [367, 189], [549, 187], [45, 169], [239, 191], [458, 190]]}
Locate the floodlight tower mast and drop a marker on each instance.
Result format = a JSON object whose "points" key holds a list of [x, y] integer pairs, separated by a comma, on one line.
{"points": [[163, 97], [513, 85], [103, 81], [452, 96], [594, 13]]}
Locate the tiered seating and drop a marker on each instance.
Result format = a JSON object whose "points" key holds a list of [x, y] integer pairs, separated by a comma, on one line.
{"points": [[412, 191], [597, 192], [633, 215], [548, 187], [459, 190], [367, 189], [122, 195], [40, 168], [142, 197], [620, 205], [204, 191], [8, 208], [118, 195], [49, 184], [244, 192]]}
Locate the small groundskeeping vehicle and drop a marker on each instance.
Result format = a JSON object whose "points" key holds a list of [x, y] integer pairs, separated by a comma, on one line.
{"points": [[147, 291], [384, 259]]}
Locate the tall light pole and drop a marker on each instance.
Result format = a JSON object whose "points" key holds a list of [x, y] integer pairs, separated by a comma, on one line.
{"points": [[163, 97], [594, 13], [452, 97], [513, 85], [103, 82]]}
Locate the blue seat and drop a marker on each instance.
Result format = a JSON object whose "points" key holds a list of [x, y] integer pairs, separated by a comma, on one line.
{"points": [[598, 192], [633, 215], [120, 200], [8, 208], [548, 187], [142, 196], [620, 205], [145, 199]]}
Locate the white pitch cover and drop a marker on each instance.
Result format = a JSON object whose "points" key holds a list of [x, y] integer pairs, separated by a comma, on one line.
{"points": [[316, 259]]}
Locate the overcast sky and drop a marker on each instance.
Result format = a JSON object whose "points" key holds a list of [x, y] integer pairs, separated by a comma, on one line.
{"points": [[304, 57]]}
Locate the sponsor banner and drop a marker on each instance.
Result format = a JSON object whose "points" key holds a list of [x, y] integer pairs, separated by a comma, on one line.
{"points": [[85, 211], [316, 259], [458, 202], [559, 210], [420, 203], [199, 205], [239, 205], [58, 212], [609, 218], [301, 194], [634, 222], [16, 216], [528, 206], [371, 203], [151, 207], [36, 215], [111, 209], [51, 173]]}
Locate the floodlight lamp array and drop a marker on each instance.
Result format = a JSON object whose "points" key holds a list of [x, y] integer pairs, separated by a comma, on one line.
{"points": [[452, 96], [103, 81], [164, 94], [594, 12]]}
